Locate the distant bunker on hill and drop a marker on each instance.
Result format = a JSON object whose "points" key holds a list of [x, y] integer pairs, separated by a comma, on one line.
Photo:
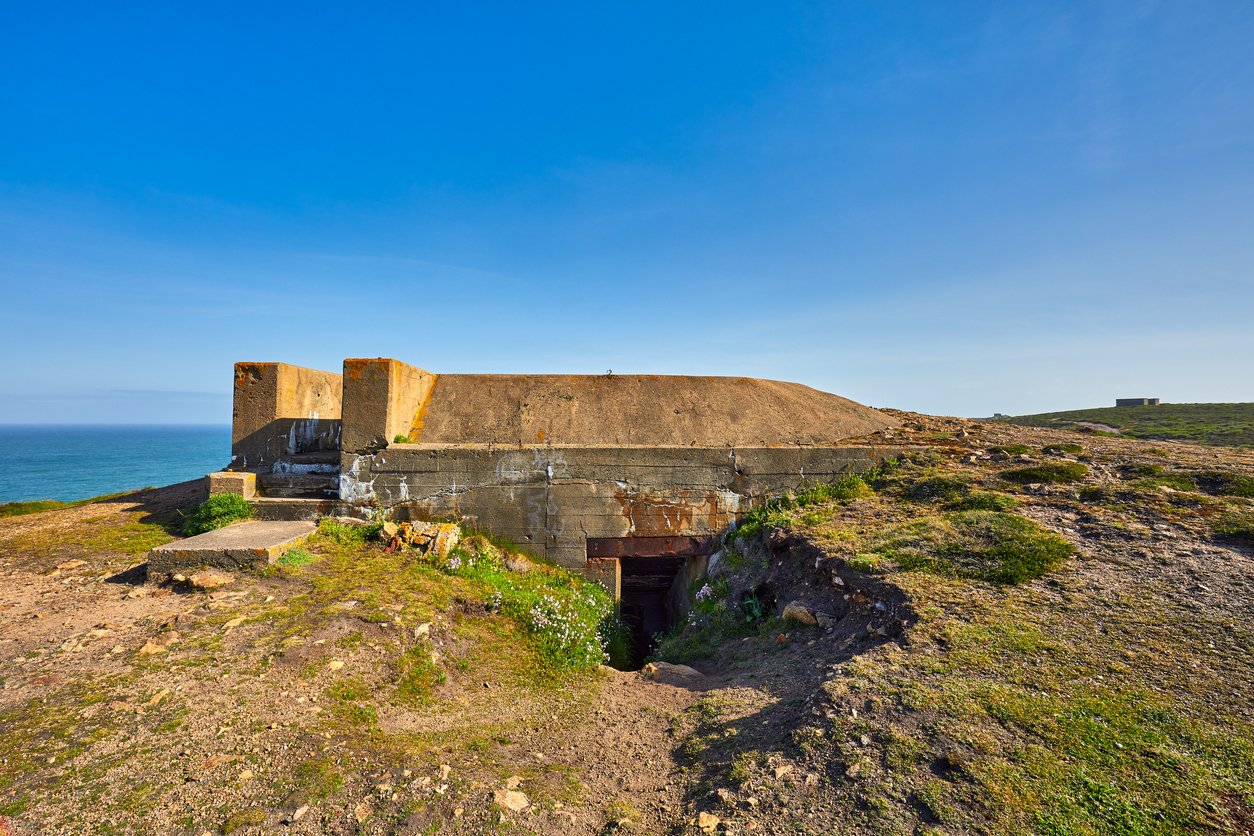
{"points": [[631, 479]]}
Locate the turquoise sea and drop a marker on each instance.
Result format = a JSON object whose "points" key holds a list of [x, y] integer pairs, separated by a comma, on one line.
{"points": [[76, 462]]}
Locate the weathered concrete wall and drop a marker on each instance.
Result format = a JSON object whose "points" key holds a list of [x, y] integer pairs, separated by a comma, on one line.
{"points": [[281, 409], [551, 498], [382, 397]]}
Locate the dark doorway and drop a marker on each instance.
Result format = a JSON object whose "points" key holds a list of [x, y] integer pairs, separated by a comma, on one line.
{"points": [[655, 573], [645, 607]]}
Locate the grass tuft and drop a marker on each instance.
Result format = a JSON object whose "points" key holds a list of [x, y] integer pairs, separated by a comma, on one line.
{"points": [[1052, 473], [1237, 524], [296, 558], [215, 512]]}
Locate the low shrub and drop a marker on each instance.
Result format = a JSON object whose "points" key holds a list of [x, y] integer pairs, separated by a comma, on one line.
{"points": [[716, 616], [1053, 473], [215, 512], [1063, 448]]}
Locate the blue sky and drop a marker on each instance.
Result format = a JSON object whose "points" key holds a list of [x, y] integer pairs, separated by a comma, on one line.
{"points": [[957, 207]]}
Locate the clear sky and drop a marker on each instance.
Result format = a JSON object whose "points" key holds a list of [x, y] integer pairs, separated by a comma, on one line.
{"points": [[953, 207]]}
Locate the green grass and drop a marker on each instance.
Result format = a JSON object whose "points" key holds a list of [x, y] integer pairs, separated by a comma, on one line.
{"points": [[985, 545], [1053, 473], [1230, 424], [775, 512], [17, 509], [569, 622], [1237, 524], [983, 501], [296, 558], [1222, 483], [215, 512], [944, 488], [572, 621], [1062, 752]]}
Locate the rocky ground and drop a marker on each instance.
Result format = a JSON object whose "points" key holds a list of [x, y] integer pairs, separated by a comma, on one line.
{"points": [[1114, 692]]}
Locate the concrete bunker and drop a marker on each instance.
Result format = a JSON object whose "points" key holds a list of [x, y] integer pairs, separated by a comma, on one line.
{"points": [[631, 479]]}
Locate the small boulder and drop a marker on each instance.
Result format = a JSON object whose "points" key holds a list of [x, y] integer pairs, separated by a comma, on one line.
{"points": [[518, 563], [511, 800], [207, 579], [666, 672], [446, 539], [799, 613], [708, 822]]}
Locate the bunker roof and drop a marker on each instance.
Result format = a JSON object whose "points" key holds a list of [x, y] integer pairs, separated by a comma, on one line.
{"points": [[648, 410]]}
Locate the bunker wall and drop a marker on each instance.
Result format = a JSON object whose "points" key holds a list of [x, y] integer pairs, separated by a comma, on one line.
{"points": [[552, 498], [279, 410], [382, 398]]}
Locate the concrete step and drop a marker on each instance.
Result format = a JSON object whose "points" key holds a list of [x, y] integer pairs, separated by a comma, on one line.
{"points": [[271, 508], [321, 461], [244, 545], [316, 457], [299, 485]]}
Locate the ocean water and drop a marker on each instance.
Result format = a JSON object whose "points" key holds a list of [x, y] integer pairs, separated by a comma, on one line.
{"points": [[77, 462]]}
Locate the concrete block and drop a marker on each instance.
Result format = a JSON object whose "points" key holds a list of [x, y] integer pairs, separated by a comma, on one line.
{"points": [[240, 483], [245, 545]]}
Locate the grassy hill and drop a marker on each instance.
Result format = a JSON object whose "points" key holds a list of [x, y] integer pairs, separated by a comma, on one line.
{"points": [[1228, 424], [1008, 630]]}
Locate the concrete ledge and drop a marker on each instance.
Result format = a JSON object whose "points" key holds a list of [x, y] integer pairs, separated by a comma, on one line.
{"points": [[240, 483], [246, 545]]}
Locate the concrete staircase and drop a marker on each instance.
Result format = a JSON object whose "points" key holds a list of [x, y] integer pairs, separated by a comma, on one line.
{"points": [[314, 475]]}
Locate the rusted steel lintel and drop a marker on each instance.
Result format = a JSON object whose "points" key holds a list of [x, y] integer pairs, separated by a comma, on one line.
{"points": [[675, 546]]}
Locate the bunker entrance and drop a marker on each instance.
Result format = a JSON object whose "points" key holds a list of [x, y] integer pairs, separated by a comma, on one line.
{"points": [[654, 576], [647, 606]]}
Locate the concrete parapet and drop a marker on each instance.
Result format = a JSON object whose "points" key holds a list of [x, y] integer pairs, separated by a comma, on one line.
{"points": [[279, 410], [242, 483], [382, 399]]}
